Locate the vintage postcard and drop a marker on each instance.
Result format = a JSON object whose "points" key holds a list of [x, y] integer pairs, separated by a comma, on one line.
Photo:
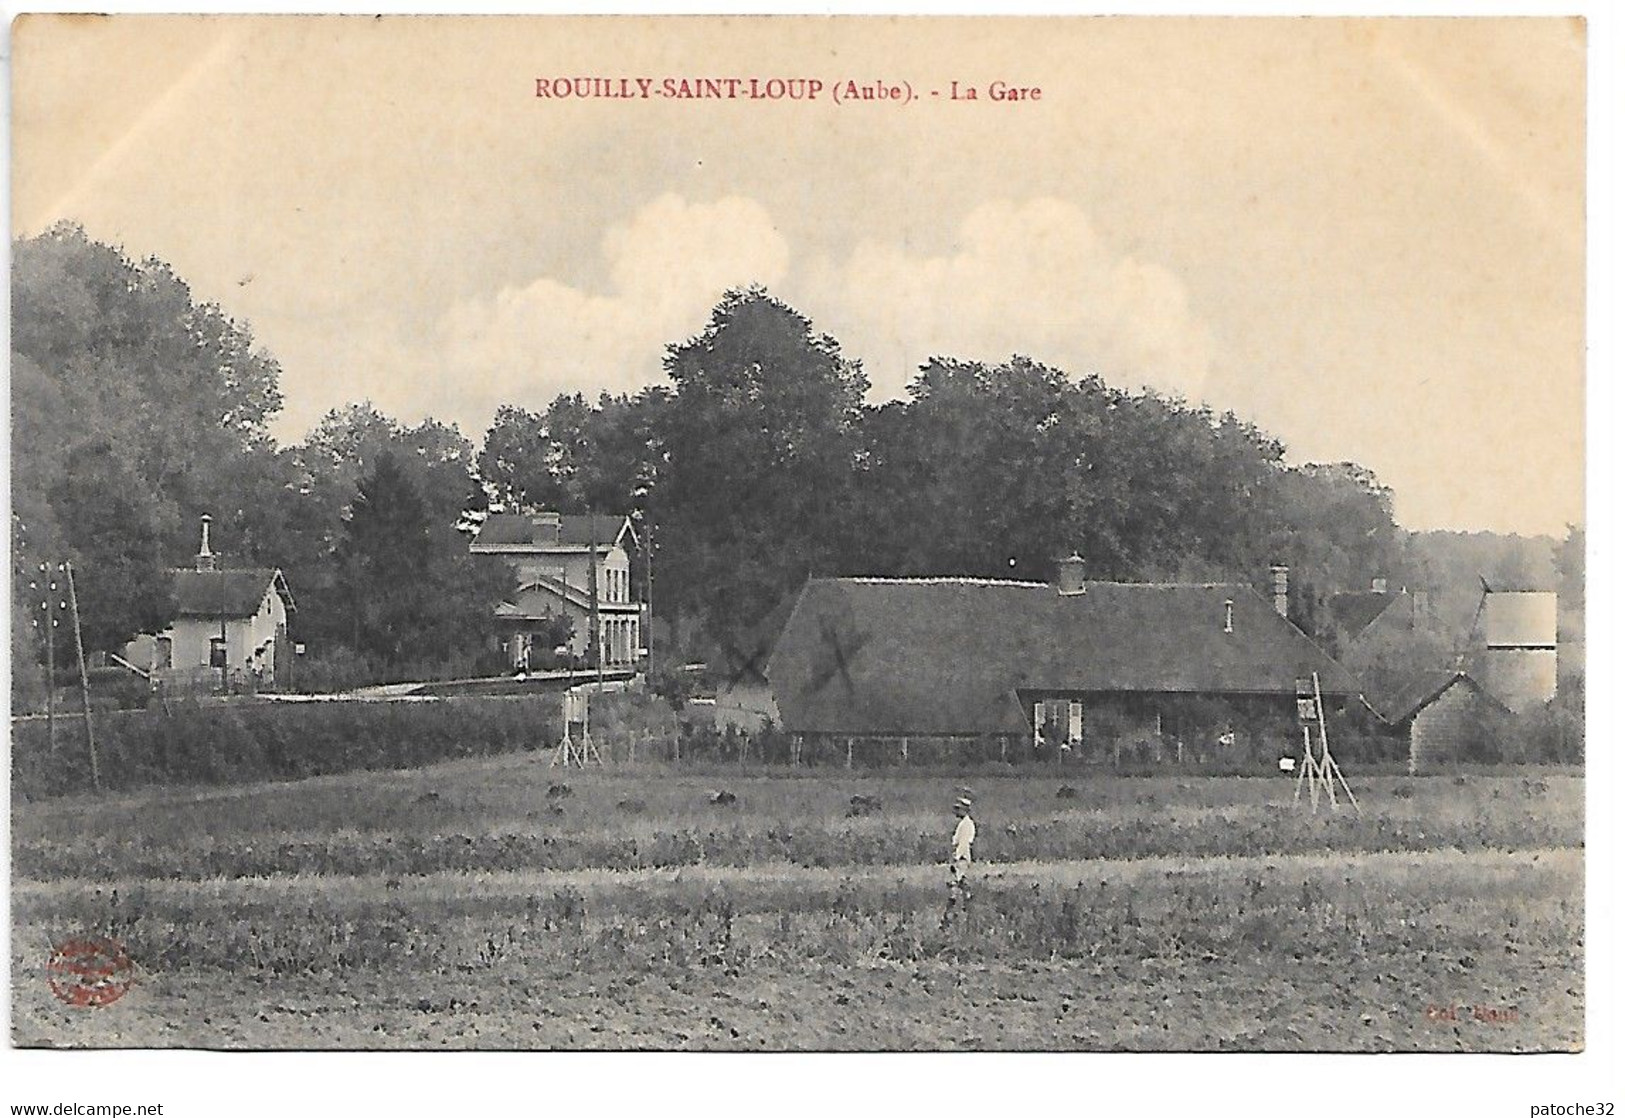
{"points": [[798, 534]]}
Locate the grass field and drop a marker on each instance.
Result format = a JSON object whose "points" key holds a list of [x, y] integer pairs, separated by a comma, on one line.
{"points": [[463, 905]]}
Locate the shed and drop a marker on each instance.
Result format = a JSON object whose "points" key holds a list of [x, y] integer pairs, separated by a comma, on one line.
{"points": [[1445, 716]]}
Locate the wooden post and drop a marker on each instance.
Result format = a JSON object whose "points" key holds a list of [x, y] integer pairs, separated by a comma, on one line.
{"points": [[48, 585], [84, 679], [649, 595], [849, 752], [592, 579]]}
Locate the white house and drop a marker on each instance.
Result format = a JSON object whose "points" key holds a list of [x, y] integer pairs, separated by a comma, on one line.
{"points": [[554, 557], [234, 621]]}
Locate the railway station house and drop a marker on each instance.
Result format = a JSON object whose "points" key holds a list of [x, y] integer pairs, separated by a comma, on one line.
{"points": [[554, 557], [1073, 669]]}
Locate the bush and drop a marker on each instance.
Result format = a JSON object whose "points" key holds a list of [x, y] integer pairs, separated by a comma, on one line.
{"points": [[339, 669], [120, 687], [1553, 733], [676, 686], [227, 742]]}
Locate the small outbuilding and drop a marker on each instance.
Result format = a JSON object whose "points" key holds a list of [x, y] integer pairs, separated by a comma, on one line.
{"points": [[1446, 717], [230, 628]]}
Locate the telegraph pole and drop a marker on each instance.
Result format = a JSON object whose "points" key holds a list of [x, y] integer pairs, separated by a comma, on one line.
{"points": [[84, 679], [649, 596], [49, 586], [592, 569]]}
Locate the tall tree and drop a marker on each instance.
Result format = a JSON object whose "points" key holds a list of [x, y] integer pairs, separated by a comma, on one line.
{"points": [[329, 467], [1333, 525], [969, 474], [123, 585], [384, 560], [411, 592], [1002, 470], [760, 445], [514, 460], [135, 408], [576, 455]]}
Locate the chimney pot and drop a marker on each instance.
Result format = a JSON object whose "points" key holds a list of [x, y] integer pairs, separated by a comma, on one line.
{"points": [[205, 557], [545, 527], [1278, 581], [1069, 575]]}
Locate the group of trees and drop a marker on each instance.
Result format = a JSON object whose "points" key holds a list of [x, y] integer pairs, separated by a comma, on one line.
{"points": [[759, 463], [136, 408]]}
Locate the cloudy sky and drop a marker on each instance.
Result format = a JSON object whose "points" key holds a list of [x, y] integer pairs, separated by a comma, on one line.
{"points": [[1367, 236]]}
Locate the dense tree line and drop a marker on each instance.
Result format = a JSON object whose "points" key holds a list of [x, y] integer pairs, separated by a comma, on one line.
{"points": [[137, 408], [758, 463]]}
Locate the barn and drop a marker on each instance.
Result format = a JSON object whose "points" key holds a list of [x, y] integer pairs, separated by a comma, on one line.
{"points": [[1076, 669]]}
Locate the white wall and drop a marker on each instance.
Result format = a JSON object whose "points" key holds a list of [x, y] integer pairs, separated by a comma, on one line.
{"points": [[190, 639]]}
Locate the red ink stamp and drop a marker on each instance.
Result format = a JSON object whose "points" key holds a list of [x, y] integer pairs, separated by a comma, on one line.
{"points": [[89, 972]]}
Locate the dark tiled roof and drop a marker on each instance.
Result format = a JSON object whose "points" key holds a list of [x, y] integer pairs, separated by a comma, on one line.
{"points": [[945, 656], [226, 593], [502, 528], [1354, 613], [744, 654], [1403, 700]]}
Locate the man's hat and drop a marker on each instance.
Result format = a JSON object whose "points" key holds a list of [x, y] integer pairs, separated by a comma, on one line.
{"points": [[962, 802]]}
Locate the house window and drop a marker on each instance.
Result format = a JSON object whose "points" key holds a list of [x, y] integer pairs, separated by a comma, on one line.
{"points": [[217, 652], [1074, 721], [164, 654]]}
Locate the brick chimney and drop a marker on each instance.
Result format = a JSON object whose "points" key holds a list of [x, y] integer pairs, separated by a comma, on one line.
{"points": [[544, 527], [1278, 581], [1069, 575], [205, 557]]}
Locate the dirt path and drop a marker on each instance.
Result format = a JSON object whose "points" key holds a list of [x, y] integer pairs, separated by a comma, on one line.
{"points": [[1435, 866]]}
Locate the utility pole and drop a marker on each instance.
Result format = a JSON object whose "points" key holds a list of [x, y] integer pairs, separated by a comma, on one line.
{"points": [[592, 577], [48, 584], [84, 679], [649, 596]]}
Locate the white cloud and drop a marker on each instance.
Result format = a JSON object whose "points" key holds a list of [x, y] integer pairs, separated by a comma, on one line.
{"points": [[1030, 278], [668, 266]]}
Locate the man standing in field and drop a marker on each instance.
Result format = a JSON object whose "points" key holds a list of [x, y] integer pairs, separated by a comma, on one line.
{"points": [[959, 860]]}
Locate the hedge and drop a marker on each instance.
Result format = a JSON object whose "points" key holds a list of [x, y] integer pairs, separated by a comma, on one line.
{"points": [[232, 742]]}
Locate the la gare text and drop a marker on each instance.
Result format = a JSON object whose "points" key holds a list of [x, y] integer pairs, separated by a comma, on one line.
{"points": [[840, 91]]}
